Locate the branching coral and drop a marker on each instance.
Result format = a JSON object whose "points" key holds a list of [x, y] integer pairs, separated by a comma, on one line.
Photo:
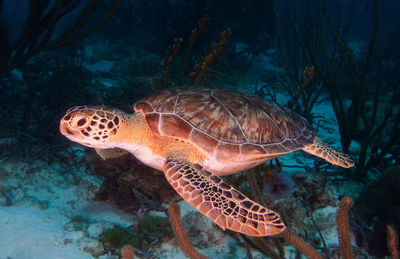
{"points": [[180, 233], [300, 244], [342, 220], [307, 75], [197, 75], [127, 252], [393, 242], [343, 233], [192, 39], [173, 50]]}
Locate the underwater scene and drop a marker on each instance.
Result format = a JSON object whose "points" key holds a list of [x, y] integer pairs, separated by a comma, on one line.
{"points": [[199, 129]]}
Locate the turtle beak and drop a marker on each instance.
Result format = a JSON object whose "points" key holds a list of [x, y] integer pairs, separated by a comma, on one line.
{"points": [[68, 132], [72, 134]]}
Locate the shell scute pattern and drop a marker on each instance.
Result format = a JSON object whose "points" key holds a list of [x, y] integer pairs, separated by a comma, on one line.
{"points": [[225, 123], [208, 114], [163, 101], [239, 104], [284, 124], [226, 151], [203, 141], [175, 126]]}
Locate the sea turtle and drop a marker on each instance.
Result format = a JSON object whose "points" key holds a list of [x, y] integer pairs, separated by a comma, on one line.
{"points": [[197, 135]]}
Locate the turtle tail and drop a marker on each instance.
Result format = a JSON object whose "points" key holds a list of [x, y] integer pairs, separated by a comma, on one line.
{"points": [[325, 151]]}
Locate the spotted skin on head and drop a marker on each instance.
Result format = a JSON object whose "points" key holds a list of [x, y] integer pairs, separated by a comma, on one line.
{"points": [[219, 201], [90, 125]]}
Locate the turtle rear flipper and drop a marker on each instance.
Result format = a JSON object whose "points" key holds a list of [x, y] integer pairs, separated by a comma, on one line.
{"points": [[219, 201], [325, 151]]}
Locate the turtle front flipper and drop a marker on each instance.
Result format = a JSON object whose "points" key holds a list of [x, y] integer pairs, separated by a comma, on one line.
{"points": [[219, 201], [110, 152], [325, 151]]}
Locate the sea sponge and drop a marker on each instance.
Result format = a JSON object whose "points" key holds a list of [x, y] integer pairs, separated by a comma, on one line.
{"points": [[281, 186]]}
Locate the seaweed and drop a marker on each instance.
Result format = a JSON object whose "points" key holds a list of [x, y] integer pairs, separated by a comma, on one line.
{"points": [[39, 30], [197, 76], [148, 231], [116, 237], [363, 114]]}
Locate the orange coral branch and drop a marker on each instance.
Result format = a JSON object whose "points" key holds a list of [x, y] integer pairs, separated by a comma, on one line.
{"points": [[192, 39], [307, 75], [211, 58], [127, 252], [173, 50], [392, 242], [342, 219], [300, 244], [180, 233]]}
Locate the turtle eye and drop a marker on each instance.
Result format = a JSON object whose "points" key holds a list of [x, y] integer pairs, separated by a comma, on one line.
{"points": [[81, 122]]}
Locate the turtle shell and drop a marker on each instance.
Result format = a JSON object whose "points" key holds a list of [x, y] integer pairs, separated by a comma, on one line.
{"points": [[226, 124]]}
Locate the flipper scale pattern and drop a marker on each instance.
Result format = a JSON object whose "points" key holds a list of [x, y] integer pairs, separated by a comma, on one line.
{"points": [[219, 201], [325, 151]]}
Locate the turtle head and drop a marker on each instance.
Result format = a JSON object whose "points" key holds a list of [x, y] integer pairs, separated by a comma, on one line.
{"points": [[92, 126]]}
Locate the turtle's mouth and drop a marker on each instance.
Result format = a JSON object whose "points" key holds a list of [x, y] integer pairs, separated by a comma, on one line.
{"points": [[72, 134], [68, 132]]}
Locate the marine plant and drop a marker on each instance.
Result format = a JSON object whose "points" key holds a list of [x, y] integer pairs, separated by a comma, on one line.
{"points": [[274, 249], [42, 29], [355, 78], [373, 210], [157, 227], [48, 25], [116, 237], [64, 72], [352, 78], [197, 76]]}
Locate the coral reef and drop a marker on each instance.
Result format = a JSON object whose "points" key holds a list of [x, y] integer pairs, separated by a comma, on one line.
{"points": [[126, 183], [120, 64], [375, 206], [117, 237]]}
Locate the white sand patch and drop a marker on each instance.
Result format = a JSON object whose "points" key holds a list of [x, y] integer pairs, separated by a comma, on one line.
{"points": [[29, 233]]}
